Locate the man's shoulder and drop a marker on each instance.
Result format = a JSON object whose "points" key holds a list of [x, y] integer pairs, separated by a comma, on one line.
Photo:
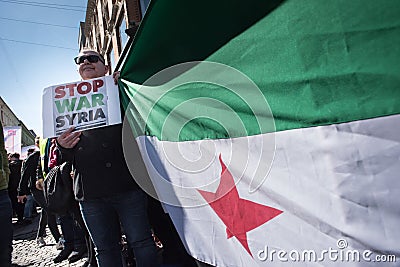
{"points": [[33, 157], [16, 163]]}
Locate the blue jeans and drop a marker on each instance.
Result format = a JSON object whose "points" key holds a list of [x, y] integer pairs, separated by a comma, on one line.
{"points": [[28, 206], [46, 218], [104, 218], [6, 229]]}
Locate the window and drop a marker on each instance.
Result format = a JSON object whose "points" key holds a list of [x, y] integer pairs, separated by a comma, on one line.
{"points": [[122, 34]]}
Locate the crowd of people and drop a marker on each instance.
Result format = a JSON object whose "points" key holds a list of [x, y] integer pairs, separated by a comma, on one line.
{"points": [[109, 205], [25, 190]]}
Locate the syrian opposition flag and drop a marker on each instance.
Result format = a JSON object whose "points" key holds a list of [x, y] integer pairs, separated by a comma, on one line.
{"points": [[270, 130]]}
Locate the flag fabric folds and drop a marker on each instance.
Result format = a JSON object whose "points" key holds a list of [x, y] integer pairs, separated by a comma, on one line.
{"points": [[270, 129]]}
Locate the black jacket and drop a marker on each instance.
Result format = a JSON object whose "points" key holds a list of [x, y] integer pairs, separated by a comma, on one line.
{"points": [[15, 174], [28, 174], [99, 165]]}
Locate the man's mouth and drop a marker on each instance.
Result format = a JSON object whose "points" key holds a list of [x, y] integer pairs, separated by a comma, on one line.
{"points": [[87, 68]]}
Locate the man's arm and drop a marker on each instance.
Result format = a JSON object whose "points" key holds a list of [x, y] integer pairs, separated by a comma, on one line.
{"points": [[28, 169], [23, 184], [39, 177]]}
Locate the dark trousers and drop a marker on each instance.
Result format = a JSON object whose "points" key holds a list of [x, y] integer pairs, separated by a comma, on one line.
{"points": [[104, 217], [174, 252], [6, 230], [46, 218], [76, 215], [17, 207], [73, 234]]}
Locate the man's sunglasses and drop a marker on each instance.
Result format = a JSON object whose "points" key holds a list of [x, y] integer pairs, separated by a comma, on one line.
{"points": [[90, 58]]}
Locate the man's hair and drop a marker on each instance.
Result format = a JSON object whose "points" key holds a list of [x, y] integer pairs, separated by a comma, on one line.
{"points": [[14, 155], [86, 49], [31, 150]]}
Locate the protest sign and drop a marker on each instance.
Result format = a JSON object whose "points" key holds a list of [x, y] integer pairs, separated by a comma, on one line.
{"points": [[12, 139], [85, 105]]}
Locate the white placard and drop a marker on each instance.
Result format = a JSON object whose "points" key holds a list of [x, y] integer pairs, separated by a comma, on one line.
{"points": [[12, 139], [84, 104]]}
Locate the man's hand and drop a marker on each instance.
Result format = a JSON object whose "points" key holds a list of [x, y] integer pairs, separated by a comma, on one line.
{"points": [[21, 199], [116, 76], [39, 184], [69, 139]]}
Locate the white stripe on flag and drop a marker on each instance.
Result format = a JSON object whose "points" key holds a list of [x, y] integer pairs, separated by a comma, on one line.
{"points": [[331, 182]]}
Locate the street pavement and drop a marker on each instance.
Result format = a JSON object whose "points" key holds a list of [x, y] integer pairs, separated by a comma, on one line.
{"points": [[26, 251]]}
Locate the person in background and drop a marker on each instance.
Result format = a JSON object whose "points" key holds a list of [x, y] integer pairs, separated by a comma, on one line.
{"points": [[29, 203], [28, 184], [108, 195], [15, 165], [72, 226], [6, 230]]}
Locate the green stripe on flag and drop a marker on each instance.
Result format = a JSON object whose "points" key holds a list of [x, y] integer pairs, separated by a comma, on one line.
{"points": [[316, 63], [197, 111], [176, 31]]}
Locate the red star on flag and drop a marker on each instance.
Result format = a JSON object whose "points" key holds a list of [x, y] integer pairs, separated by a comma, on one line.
{"points": [[239, 215]]}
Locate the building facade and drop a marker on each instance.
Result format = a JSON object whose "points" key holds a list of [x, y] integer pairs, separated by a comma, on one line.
{"points": [[109, 27], [8, 118]]}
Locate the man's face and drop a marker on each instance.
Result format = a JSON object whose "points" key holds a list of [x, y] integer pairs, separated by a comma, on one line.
{"points": [[89, 70]]}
